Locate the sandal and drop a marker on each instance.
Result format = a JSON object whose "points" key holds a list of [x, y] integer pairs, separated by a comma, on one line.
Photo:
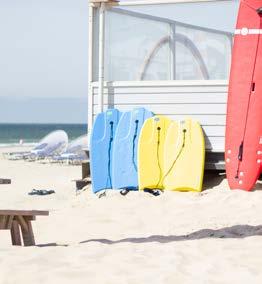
{"points": [[41, 192]]}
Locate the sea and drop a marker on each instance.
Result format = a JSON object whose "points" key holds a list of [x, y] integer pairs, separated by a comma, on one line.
{"points": [[12, 134]]}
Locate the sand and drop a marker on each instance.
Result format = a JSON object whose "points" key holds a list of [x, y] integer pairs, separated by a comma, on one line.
{"points": [[209, 237]]}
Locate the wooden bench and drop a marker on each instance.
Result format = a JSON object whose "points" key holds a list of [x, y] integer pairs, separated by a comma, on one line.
{"points": [[5, 181], [20, 221]]}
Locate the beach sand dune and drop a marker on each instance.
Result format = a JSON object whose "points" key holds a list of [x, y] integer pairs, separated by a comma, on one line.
{"points": [[209, 237]]}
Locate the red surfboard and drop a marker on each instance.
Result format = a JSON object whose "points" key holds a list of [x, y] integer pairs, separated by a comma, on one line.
{"points": [[243, 149]]}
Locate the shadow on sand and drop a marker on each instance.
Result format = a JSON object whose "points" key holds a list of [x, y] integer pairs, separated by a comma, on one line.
{"points": [[212, 179], [52, 245], [238, 231]]}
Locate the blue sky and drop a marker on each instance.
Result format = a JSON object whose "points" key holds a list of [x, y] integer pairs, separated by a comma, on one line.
{"points": [[43, 55]]}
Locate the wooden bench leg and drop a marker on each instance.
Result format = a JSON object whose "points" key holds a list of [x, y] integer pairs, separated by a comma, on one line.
{"points": [[27, 231], [15, 234], [3, 222]]}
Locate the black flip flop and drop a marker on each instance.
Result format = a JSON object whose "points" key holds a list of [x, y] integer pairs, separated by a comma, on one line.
{"points": [[124, 191], [154, 192], [41, 192]]}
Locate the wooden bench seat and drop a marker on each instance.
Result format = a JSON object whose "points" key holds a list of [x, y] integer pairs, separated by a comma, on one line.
{"points": [[5, 181], [19, 221]]}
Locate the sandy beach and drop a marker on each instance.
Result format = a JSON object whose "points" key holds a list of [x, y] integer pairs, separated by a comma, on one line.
{"points": [[209, 237]]}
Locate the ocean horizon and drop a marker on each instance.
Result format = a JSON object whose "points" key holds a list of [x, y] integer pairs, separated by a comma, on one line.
{"points": [[32, 133]]}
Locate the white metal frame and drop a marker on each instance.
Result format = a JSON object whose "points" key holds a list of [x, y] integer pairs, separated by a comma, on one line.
{"points": [[157, 2], [162, 83], [153, 2], [90, 65], [101, 56]]}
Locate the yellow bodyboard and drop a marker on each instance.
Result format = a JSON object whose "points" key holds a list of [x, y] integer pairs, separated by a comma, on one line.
{"points": [[151, 152], [184, 156]]}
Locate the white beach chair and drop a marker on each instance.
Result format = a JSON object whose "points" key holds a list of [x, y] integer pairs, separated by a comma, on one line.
{"points": [[74, 153]]}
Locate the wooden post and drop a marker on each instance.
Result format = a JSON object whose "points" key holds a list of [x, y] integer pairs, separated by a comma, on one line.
{"points": [[85, 169]]}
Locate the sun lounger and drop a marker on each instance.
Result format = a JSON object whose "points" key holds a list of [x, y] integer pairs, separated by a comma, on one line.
{"points": [[47, 151], [20, 221], [52, 144], [75, 153]]}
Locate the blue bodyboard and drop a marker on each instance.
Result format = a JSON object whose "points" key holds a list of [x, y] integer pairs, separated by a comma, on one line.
{"points": [[101, 147], [124, 160]]}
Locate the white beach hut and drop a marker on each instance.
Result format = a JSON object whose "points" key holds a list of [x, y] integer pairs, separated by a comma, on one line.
{"points": [[172, 57]]}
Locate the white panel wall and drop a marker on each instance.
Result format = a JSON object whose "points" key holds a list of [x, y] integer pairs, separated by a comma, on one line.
{"points": [[204, 101]]}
